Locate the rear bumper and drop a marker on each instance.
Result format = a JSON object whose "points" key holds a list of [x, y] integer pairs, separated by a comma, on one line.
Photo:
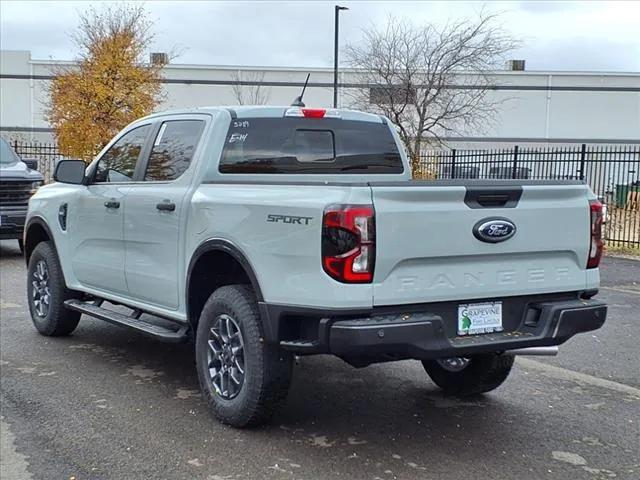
{"points": [[425, 335]]}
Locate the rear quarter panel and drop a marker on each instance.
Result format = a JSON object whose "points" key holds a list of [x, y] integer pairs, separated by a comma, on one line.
{"points": [[285, 255]]}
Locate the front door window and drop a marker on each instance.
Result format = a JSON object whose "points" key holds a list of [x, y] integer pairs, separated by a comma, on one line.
{"points": [[118, 164]]}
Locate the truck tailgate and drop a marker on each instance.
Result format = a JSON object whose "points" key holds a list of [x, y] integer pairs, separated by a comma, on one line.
{"points": [[426, 250]]}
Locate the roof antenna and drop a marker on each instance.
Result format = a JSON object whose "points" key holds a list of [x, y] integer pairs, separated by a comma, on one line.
{"points": [[298, 101]]}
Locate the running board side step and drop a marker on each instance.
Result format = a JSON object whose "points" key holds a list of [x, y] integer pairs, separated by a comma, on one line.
{"points": [[156, 331], [301, 347]]}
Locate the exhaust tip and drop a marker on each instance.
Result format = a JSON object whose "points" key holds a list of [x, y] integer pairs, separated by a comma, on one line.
{"points": [[538, 351]]}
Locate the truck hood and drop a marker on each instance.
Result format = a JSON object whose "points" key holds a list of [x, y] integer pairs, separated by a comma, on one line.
{"points": [[19, 170]]}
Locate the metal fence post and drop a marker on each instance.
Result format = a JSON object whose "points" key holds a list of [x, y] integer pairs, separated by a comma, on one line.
{"points": [[453, 163], [515, 162], [583, 154]]}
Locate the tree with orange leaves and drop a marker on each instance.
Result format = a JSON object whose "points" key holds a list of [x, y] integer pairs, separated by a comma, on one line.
{"points": [[109, 86]]}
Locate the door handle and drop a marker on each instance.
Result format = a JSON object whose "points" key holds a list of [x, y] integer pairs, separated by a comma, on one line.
{"points": [[112, 204], [166, 206]]}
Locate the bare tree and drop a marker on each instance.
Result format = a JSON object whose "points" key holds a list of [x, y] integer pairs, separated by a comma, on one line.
{"points": [[248, 88], [430, 81]]}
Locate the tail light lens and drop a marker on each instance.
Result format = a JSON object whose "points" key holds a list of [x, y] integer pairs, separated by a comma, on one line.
{"points": [[312, 112], [597, 245], [348, 243]]}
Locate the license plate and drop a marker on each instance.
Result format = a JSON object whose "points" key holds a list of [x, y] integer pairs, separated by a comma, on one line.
{"points": [[477, 318]]}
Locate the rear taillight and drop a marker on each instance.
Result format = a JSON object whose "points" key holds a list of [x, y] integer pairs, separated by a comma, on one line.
{"points": [[597, 245], [348, 243]]}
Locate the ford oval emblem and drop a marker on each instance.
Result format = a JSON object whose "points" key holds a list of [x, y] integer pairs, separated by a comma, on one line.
{"points": [[494, 230]]}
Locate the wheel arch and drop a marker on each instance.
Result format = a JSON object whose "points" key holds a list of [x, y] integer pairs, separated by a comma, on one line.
{"points": [[230, 266], [36, 231]]}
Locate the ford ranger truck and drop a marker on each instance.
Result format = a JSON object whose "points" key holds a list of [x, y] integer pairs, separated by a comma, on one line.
{"points": [[264, 233], [17, 183]]}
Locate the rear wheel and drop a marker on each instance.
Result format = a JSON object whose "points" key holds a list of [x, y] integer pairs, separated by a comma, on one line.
{"points": [[243, 379], [47, 292], [465, 376]]}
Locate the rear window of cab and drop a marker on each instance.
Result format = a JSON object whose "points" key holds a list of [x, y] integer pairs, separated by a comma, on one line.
{"points": [[308, 146]]}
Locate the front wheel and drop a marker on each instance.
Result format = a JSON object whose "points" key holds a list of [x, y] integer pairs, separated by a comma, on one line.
{"points": [[243, 379], [47, 292], [466, 376]]}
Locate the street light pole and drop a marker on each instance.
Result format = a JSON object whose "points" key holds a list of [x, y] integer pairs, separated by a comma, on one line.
{"points": [[335, 56]]}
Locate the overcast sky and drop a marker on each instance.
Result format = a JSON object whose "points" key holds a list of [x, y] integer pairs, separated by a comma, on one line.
{"points": [[583, 36]]}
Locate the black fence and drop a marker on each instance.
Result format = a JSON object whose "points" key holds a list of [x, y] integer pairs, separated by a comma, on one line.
{"points": [[613, 172]]}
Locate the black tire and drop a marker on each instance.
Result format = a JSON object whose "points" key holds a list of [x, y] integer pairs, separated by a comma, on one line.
{"points": [[482, 374], [267, 369], [21, 245], [57, 321]]}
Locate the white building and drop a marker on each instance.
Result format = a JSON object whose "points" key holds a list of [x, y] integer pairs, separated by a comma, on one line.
{"points": [[538, 107]]}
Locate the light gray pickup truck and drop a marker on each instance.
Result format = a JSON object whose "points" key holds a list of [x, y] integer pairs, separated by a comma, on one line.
{"points": [[263, 233]]}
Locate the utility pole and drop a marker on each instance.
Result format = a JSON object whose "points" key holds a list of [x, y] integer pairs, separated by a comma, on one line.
{"points": [[335, 55]]}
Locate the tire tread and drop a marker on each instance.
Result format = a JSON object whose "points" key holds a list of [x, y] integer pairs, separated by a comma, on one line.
{"points": [[59, 320], [273, 366]]}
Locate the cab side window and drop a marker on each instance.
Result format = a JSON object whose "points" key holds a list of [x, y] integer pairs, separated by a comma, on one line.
{"points": [[119, 162], [173, 149]]}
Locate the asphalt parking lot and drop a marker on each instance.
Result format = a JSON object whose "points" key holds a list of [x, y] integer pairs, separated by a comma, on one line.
{"points": [[106, 403]]}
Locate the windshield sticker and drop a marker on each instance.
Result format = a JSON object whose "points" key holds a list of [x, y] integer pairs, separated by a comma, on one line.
{"points": [[241, 124], [238, 137]]}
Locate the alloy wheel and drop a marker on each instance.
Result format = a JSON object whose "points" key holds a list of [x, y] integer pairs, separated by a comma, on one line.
{"points": [[225, 357], [41, 294]]}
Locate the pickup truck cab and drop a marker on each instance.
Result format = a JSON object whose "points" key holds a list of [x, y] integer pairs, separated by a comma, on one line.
{"points": [[17, 183], [263, 233]]}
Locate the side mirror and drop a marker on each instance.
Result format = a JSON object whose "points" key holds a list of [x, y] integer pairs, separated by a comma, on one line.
{"points": [[32, 163], [70, 171]]}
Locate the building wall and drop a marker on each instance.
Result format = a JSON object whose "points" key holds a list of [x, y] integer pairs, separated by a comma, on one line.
{"points": [[535, 107], [15, 94]]}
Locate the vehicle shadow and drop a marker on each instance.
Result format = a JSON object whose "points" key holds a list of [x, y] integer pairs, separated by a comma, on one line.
{"points": [[9, 249], [331, 404]]}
